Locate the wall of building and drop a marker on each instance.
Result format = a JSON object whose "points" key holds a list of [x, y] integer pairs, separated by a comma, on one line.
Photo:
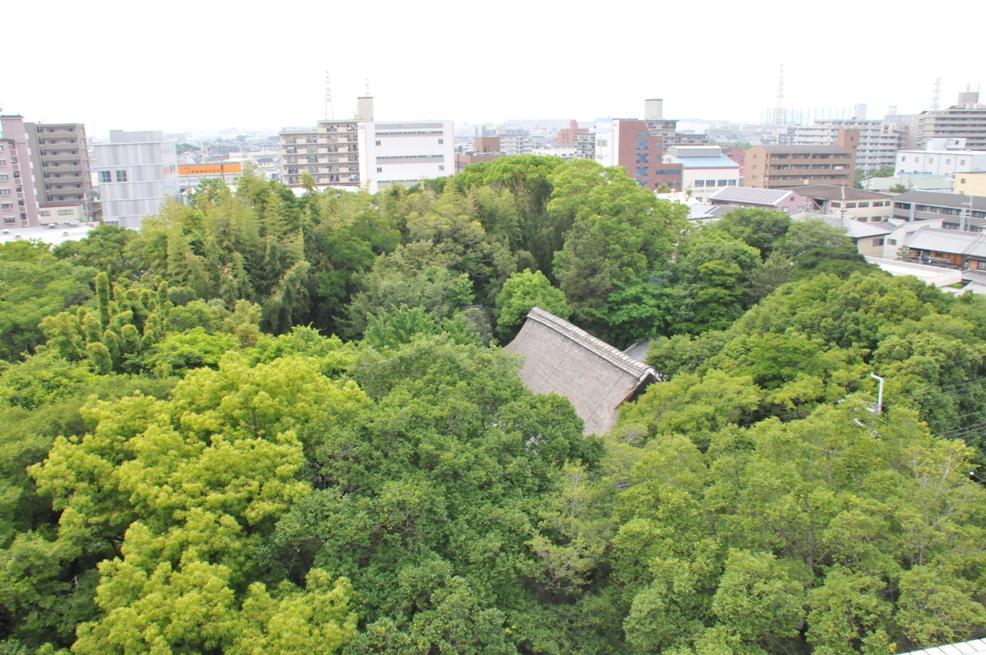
{"points": [[56, 214], [136, 173], [405, 153], [19, 189], [938, 162], [971, 184]]}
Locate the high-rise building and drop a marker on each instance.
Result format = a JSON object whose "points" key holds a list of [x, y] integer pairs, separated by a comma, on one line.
{"points": [[329, 152], [404, 152], [964, 120], [569, 136], [60, 158], [632, 144], [136, 172], [18, 199], [878, 141]]}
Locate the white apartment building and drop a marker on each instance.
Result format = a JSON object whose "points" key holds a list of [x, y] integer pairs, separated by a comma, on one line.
{"points": [[516, 143], [940, 157], [404, 152], [606, 142], [136, 172], [879, 141]]}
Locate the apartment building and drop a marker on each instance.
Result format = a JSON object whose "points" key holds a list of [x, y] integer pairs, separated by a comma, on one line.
{"points": [[516, 142], [18, 199], [788, 166], [60, 158], [632, 144], [404, 152], [879, 141], [964, 120], [329, 152], [136, 172]]}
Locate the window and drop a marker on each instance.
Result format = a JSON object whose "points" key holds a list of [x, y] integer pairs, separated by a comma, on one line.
{"points": [[441, 167], [3, 162], [4, 192], [4, 177], [721, 183], [121, 176], [441, 141], [699, 183], [377, 142], [878, 242], [65, 212], [380, 169], [892, 242]]}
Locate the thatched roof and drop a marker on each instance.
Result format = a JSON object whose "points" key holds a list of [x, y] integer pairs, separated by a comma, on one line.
{"points": [[596, 377]]}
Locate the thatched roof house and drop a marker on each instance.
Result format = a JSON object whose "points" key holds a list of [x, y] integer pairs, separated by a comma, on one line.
{"points": [[596, 377]]}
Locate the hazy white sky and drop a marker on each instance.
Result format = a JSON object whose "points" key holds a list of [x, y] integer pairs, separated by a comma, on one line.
{"points": [[209, 64]]}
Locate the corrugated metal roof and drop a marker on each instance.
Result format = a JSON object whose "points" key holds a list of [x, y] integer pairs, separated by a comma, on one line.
{"points": [[836, 192], [860, 230], [950, 241], [750, 195], [974, 647], [956, 200], [704, 162]]}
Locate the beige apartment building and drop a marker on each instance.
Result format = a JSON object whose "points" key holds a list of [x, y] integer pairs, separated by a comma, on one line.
{"points": [[328, 152], [789, 166], [60, 159]]}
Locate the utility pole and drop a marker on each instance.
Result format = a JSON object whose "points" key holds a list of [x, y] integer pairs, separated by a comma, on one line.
{"points": [[879, 394]]}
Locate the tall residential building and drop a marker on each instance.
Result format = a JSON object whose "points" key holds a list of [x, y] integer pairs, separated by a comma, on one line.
{"points": [[60, 158], [136, 173], [964, 120], [404, 153], [18, 200], [878, 141], [516, 142], [569, 136], [632, 144], [788, 166], [329, 152]]}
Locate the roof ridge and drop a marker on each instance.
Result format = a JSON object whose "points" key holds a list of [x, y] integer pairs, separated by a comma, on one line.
{"points": [[597, 346]]}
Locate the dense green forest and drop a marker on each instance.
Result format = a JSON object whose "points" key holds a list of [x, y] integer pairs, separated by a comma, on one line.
{"points": [[274, 424]]}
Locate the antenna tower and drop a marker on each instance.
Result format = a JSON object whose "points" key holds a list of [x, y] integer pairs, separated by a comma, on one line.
{"points": [[936, 95], [779, 108], [329, 112]]}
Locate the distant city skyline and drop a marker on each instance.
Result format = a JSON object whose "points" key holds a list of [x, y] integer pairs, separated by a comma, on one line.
{"points": [[213, 66]]}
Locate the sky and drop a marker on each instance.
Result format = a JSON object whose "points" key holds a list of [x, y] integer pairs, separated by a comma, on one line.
{"points": [[211, 65]]}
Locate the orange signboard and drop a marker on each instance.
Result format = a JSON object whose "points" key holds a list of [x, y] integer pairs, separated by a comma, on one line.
{"points": [[210, 169]]}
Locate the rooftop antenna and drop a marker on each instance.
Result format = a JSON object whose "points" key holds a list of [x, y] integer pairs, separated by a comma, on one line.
{"points": [[936, 94], [329, 111], [779, 108]]}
